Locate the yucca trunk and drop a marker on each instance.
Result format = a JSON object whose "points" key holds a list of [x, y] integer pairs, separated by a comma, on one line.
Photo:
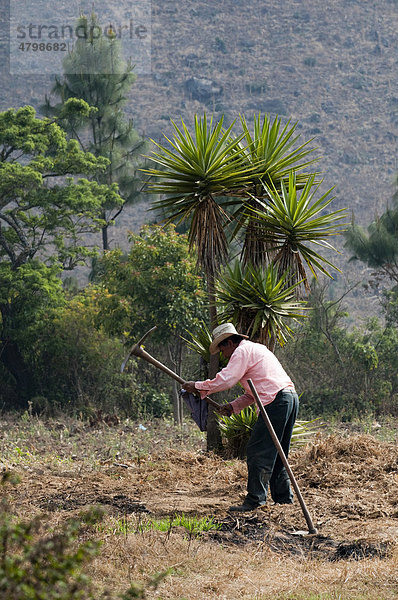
{"points": [[214, 441]]}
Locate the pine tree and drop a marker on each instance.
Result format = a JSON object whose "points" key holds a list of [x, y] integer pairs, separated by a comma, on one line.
{"points": [[95, 72], [378, 246]]}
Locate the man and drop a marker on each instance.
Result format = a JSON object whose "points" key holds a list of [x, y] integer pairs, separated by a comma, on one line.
{"points": [[249, 360]]}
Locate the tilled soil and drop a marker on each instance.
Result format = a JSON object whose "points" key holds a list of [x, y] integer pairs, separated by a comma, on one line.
{"points": [[350, 486]]}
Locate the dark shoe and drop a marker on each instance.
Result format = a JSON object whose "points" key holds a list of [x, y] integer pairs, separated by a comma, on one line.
{"points": [[289, 501], [242, 508]]}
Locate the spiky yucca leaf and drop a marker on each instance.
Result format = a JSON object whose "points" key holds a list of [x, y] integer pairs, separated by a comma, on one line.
{"points": [[200, 343], [294, 222], [236, 429], [196, 171], [275, 153], [258, 301], [239, 424]]}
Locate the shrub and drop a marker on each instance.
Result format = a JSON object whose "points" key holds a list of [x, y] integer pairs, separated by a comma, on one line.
{"points": [[35, 565], [77, 365], [151, 402], [50, 565]]}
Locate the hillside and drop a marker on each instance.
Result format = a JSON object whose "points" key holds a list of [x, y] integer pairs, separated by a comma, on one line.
{"points": [[331, 67]]}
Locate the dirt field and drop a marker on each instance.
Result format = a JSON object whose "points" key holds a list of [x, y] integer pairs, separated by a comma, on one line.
{"points": [[142, 477]]}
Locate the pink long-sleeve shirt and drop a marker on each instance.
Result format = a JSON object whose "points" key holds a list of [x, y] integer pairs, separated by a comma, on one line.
{"points": [[249, 361]]}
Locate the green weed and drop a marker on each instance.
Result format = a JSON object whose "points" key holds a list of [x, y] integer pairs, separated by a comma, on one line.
{"points": [[193, 525]]}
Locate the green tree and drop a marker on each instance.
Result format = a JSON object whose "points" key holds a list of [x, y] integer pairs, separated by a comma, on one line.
{"points": [[45, 210], [27, 294], [76, 364], [95, 72], [378, 245], [155, 284]]}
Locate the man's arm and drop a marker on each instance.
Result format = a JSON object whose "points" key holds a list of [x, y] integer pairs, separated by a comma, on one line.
{"points": [[235, 406], [240, 403], [227, 377]]}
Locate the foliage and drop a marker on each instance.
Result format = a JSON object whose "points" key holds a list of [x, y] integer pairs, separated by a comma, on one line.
{"points": [[73, 364], [43, 207], [378, 246], [200, 168], [95, 72], [44, 213], [343, 373], [237, 429], [199, 342], [35, 565], [192, 524], [203, 174], [273, 153], [293, 223], [259, 301], [151, 402], [41, 564], [279, 227], [77, 365], [27, 294], [155, 284], [194, 175]]}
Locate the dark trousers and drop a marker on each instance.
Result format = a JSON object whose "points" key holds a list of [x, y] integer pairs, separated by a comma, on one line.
{"points": [[264, 465]]}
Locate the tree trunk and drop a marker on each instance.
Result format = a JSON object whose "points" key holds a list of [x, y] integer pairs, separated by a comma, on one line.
{"points": [[176, 361], [214, 442], [15, 364], [105, 243], [176, 404]]}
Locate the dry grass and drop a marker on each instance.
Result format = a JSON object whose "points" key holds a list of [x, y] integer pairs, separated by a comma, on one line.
{"points": [[350, 485], [200, 569]]}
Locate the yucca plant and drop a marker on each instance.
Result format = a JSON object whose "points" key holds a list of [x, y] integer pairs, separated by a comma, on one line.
{"points": [[200, 342], [236, 430], [195, 172], [208, 177], [273, 151], [294, 224], [259, 302]]}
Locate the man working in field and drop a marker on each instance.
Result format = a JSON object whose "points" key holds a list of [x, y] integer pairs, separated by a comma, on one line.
{"points": [[249, 360]]}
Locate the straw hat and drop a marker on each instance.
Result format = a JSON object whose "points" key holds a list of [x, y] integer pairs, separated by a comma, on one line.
{"points": [[220, 333]]}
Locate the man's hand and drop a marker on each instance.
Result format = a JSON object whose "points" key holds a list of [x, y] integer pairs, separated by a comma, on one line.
{"points": [[226, 410], [189, 386]]}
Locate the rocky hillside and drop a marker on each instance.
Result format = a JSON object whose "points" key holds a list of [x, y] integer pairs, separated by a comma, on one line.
{"points": [[329, 66]]}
